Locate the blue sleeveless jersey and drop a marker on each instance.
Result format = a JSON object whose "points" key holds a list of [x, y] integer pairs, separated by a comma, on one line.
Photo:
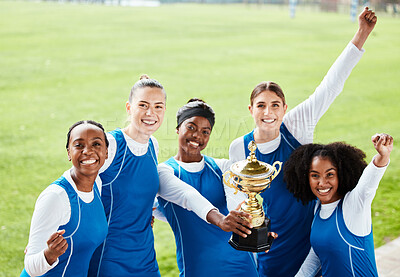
{"points": [[202, 249], [342, 253], [85, 231], [130, 185], [290, 219]]}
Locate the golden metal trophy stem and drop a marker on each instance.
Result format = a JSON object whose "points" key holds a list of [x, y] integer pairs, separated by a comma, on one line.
{"points": [[252, 207]]}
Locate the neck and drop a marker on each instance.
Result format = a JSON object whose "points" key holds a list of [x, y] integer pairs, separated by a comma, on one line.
{"points": [[187, 158], [83, 183], [265, 136], [134, 134]]}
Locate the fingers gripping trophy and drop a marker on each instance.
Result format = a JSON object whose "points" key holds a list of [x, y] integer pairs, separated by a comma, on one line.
{"points": [[252, 177]]}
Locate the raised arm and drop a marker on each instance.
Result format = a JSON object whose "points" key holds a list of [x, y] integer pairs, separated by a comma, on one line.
{"points": [[357, 203], [302, 119], [366, 23]]}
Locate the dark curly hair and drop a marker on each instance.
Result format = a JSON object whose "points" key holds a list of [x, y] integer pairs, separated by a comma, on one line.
{"points": [[348, 160]]}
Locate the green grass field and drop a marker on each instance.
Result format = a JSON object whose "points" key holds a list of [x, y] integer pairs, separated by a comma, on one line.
{"points": [[60, 63]]}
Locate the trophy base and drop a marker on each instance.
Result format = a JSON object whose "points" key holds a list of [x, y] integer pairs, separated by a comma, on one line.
{"points": [[257, 241]]}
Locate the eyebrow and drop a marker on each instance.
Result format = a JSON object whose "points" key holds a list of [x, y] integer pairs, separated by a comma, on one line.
{"points": [[275, 101], [191, 122], [90, 139], [332, 168], [143, 101]]}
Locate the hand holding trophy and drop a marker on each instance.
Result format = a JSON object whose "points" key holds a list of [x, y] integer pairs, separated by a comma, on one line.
{"points": [[252, 177]]}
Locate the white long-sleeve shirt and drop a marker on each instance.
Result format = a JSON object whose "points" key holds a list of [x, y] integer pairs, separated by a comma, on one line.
{"points": [[356, 212], [303, 118], [52, 210]]}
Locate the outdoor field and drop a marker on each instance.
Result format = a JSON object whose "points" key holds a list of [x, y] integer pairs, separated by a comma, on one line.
{"points": [[64, 62]]}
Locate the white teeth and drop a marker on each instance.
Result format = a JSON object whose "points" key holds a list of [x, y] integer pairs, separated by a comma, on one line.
{"points": [[194, 143], [268, 120], [149, 122], [324, 190], [88, 161]]}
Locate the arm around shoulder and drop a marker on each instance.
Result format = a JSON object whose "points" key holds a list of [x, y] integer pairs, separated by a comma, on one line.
{"points": [[176, 191]]}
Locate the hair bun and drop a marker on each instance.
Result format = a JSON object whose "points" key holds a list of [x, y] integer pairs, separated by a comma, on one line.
{"points": [[194, 100], [144, 76]]}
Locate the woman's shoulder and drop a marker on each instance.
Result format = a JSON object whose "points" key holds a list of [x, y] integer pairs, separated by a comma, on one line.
{"points": [[236, 144], [53, 200], [236, 149]]}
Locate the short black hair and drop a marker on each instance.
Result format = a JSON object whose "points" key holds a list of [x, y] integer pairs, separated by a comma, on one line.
{"points": [[86, 122], [348, 160]]}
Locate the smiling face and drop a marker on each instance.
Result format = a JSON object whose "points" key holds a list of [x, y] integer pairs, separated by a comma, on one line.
{"points": [[324, 181], [146, 112], [87, 150], [194, 134], [267, 110]]}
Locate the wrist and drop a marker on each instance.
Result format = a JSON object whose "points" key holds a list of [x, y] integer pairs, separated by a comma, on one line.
{"points": [[49, 258], [214, 217], [381, 161]]}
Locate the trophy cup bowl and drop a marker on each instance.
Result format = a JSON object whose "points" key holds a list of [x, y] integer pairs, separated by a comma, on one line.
{"points": [[252, 177]]}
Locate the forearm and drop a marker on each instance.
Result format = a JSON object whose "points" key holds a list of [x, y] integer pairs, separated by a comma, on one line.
{"points": [[303, 118], [178, 192], [37, 265], [360, 37], [311, 265]]}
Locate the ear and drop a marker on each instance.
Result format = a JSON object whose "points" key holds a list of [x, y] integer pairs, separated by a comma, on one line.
{"points": [[177, 130], [106, 153], [284, 108], [128, 107], [251, 109], [69, 155]]}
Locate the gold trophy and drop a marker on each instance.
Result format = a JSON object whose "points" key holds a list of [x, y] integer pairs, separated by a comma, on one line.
{"points": [[252, 177]]}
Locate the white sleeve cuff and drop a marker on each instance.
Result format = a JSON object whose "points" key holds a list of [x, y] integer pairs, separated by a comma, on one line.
{"points": [[36, 264]]}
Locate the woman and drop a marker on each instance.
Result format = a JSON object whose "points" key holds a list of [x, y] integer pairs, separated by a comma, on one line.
{"points": [[337, 175], [130, 185], [202, 249], [277, 134], [68, 222]]}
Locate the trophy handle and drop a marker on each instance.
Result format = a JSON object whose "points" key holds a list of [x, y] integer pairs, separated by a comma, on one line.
{"points": [[227, 181], [276, 170]]}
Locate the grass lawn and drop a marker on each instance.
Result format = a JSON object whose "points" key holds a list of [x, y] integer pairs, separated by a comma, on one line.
{"points": [[60, 63]]}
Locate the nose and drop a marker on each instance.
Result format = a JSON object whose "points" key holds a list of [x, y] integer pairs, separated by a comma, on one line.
{"points": [[150, 111], [266, 110], [323, 181], [195, 134], [87, 149]]}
